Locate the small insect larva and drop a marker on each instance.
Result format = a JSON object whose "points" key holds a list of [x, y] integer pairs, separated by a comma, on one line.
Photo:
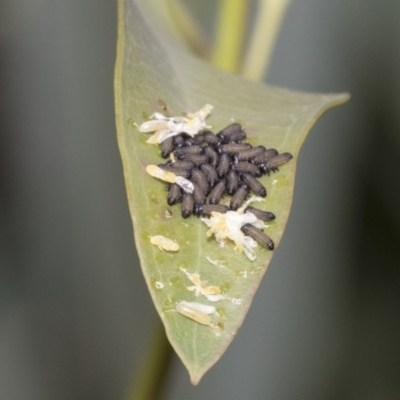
{"points": [[277, 161], [223, 164], [207, 209], [228, 130], [174, 194], [157, 172], [195, 149], [232, 182], [232, 148], [217, 192], [264, 156], [212, 155], [163, 243], [260, 214], [196, 209], [254, 185], [245, 155], [211, 139], [188, 165], [258, 235], [237, 136], [244, 166], [210, 173], [189, 142], [177, 171], [187, 205], [167, 146], [238, 197], [200, 179], [178, 140], [196, 159], [155, 125], [199, 139], [196, 311], [198, 195]]}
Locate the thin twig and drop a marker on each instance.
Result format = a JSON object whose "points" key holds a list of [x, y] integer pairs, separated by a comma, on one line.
{"points": [[266, 27], [148, 382]]}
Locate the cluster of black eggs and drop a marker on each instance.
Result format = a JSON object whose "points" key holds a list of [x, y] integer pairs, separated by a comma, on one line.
{"points": [[220, 164]]}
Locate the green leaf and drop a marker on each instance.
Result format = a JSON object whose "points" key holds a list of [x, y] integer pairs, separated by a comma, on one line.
{"points": [[153, 70]]}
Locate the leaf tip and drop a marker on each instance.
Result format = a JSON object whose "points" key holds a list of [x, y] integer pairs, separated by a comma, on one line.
{"points": [[195, 377], [339, 99]]}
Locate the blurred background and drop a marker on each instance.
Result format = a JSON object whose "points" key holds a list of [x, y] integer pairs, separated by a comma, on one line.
{"points": [[75, 315]]}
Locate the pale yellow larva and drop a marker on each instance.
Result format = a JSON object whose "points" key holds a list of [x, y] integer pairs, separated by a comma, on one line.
{"points": [[163, 243], [196, 311], [156, 172]]}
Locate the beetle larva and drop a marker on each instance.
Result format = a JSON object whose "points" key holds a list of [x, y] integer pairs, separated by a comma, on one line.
{"points": [[195, 149], [174, 194], [217, 192], [167, 146], [211, 139], [237, 136], [273, 164], [238, 197], [232, 148], [196, 311], [245, 155], [198, 195], [207, 209], [228, 130], [210, 173], [244, 166], [254, 185], [177, 171], [264, 156], [187, 205], [187, 165], [196, 159], [189, 142], [178, 141], [258, 235], [260, 214], [212, 155], [200, 179], [199, 139], [223, 165], [232, 182]]}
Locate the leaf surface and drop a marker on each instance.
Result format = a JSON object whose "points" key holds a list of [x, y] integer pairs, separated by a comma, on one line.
{"points": [[154, 70]]}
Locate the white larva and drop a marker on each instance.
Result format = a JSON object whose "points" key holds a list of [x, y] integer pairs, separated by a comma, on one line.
{"points": [[196, 311], [151, 126], [157, 172], [163, 243], [167, 176]]}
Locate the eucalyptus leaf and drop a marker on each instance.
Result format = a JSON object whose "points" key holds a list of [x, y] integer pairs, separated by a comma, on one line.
{"points": [[155, 72]]}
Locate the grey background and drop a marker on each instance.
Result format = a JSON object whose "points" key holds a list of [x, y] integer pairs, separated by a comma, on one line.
{"points": [[75, 316]]}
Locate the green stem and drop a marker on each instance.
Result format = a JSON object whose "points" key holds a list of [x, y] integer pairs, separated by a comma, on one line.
{"points": [[266, 27], [148, 382], [231, 26]]}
